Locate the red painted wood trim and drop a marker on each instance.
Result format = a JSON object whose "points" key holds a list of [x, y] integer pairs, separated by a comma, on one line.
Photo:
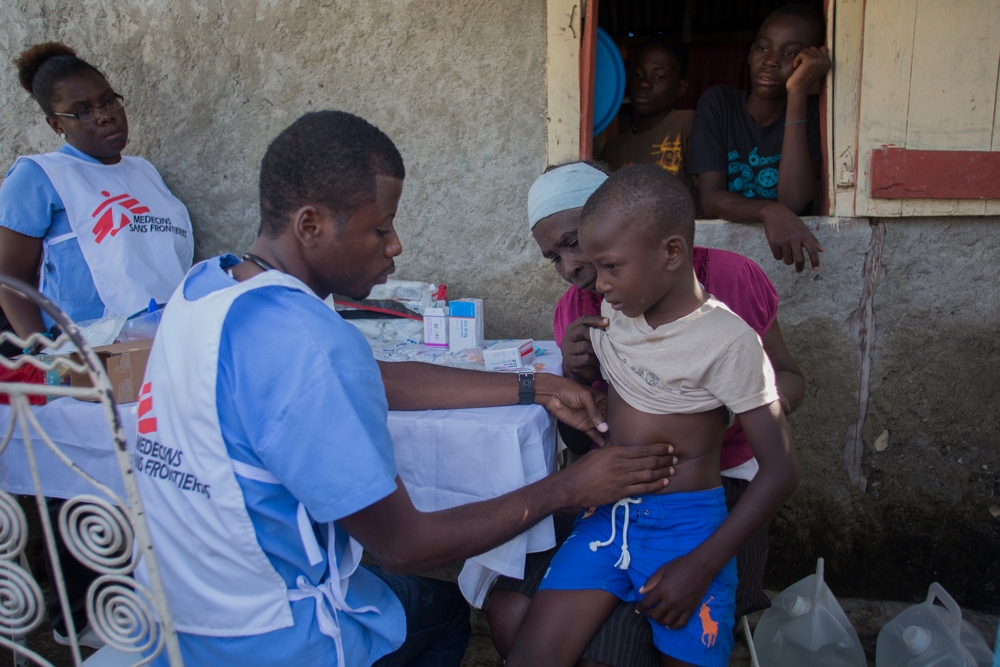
{"points": [[898, 173], [588, 69], [826, 172]]}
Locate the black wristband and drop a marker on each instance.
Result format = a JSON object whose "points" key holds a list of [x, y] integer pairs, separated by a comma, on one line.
{"points": [[526, 388]]}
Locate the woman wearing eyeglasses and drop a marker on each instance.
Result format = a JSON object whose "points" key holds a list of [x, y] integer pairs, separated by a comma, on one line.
{"points": [[99, 231]]}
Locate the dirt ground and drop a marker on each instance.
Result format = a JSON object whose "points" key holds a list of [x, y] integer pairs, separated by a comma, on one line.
{"points": [[867, 617]]}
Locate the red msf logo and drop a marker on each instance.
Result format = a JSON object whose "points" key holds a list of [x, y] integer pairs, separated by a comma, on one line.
{"points": [[146, 424], [121, 205]]}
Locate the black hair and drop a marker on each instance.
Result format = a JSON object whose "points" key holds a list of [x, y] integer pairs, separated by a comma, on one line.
{"points": [[671, 44], [807, 13], [651, 196], [596, 164], [330, 158], [42, 66]]}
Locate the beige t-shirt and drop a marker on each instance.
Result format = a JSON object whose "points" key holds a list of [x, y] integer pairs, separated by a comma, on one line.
{"points": [[706, 359]]}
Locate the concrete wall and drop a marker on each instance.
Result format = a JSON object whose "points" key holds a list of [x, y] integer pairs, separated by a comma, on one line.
{"points": [[899, 337], [898, 332], [459, 86]]}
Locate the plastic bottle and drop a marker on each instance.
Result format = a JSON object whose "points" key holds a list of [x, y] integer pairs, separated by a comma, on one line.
{"points": [[807, 628], [927, 635], [142, 326]]}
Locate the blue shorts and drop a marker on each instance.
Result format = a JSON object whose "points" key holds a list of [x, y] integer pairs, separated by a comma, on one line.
{"points": [[660, 529]]}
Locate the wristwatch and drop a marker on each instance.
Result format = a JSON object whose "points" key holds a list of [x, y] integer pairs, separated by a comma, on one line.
{"points": [[526, 388]]}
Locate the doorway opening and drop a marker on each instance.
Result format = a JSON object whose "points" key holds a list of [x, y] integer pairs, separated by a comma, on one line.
{"points": [[718, 35]]}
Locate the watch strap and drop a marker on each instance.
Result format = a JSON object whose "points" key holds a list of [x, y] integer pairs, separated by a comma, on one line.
{"points": [[526, 388]]}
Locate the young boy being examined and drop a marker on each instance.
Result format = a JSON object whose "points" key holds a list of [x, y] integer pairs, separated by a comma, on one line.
{"points": [[680, 365], [757, 154], [661, 133]]}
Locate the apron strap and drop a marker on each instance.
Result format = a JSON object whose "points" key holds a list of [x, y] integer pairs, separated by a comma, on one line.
{"points": [[326, 616], [248, 471], [309, 542], [61, 238]]}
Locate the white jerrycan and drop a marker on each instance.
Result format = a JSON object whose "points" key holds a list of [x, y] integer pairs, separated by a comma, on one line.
{"points": [[807, 628], [927, 635]]}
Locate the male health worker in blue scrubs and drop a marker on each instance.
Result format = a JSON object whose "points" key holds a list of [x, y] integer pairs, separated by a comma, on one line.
{"points": [[280, 463]]}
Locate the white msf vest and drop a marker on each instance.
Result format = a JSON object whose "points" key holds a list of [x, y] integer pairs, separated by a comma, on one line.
{"points": [[134, 234], [218, 580]]}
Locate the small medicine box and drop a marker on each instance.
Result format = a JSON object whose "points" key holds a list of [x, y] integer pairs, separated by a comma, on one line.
{"points": [[436, 327], [465, 324], [509, 355]]}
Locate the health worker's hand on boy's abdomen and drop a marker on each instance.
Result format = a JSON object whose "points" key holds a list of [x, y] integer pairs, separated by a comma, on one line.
{"points": [[608, 474]]}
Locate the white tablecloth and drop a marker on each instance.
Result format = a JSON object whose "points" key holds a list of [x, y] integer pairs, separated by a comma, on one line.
{"points": [[445, 458]]}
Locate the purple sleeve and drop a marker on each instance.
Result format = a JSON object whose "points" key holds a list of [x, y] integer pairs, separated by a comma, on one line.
{"points": [[567, 311], [743, 286]]}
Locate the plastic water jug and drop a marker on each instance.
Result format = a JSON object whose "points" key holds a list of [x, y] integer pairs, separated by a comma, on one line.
{"points": [[928, 635], [807, 628]]}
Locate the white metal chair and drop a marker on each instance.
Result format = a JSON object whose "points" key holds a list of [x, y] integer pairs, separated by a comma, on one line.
{"points": [[109, 537]]}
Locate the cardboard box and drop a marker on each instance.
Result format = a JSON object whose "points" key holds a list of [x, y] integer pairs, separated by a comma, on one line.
{"points": [[125, 364], [510, 355]]}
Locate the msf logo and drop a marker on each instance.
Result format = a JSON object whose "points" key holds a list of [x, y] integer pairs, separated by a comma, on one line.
{"points": [[112, 214], [147, 422]]}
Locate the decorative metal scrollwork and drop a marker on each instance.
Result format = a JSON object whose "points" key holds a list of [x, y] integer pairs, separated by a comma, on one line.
{"points": [[98, 534], [104, 532], [121, 613], [13, 527], [21, 601]]}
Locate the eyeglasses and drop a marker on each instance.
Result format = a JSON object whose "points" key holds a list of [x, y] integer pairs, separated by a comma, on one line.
{"points": [[88, 115]]}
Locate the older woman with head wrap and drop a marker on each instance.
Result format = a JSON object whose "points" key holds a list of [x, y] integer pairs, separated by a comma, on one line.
{"points": [[554, 204]]}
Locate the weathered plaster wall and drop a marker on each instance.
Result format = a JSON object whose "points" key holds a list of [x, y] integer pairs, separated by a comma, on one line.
{"points": [[460, 87], [930, 508]]}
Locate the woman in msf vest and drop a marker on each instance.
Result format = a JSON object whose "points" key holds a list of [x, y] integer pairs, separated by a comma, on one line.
{"points": [[100, 232]]}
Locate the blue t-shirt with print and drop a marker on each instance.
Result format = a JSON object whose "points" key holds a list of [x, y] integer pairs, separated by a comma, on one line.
{"points": [[30, 205], [725, 139], [300, 395]]}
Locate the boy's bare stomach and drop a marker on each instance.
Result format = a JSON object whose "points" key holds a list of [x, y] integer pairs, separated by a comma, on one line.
{"points": [[696, 438]]}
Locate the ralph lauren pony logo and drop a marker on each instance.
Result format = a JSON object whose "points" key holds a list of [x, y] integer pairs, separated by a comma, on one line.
{"points": [[146, 424], [119, 206]]}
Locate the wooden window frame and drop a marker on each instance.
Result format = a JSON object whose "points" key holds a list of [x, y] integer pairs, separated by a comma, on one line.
{"points": [[882, 165]]}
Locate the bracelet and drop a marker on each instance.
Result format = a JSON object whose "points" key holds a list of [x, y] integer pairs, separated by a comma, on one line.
{"points": [[793, 122]]}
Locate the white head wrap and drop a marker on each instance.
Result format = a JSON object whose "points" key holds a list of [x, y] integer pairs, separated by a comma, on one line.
{"points": [[562, 189]]}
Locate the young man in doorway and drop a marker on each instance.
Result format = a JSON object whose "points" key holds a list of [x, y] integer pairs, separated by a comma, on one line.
{"points": [[757, 153]]}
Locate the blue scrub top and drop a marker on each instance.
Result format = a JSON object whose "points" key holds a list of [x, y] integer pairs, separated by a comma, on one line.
{"points": [[30, 205], [300, 395]]}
